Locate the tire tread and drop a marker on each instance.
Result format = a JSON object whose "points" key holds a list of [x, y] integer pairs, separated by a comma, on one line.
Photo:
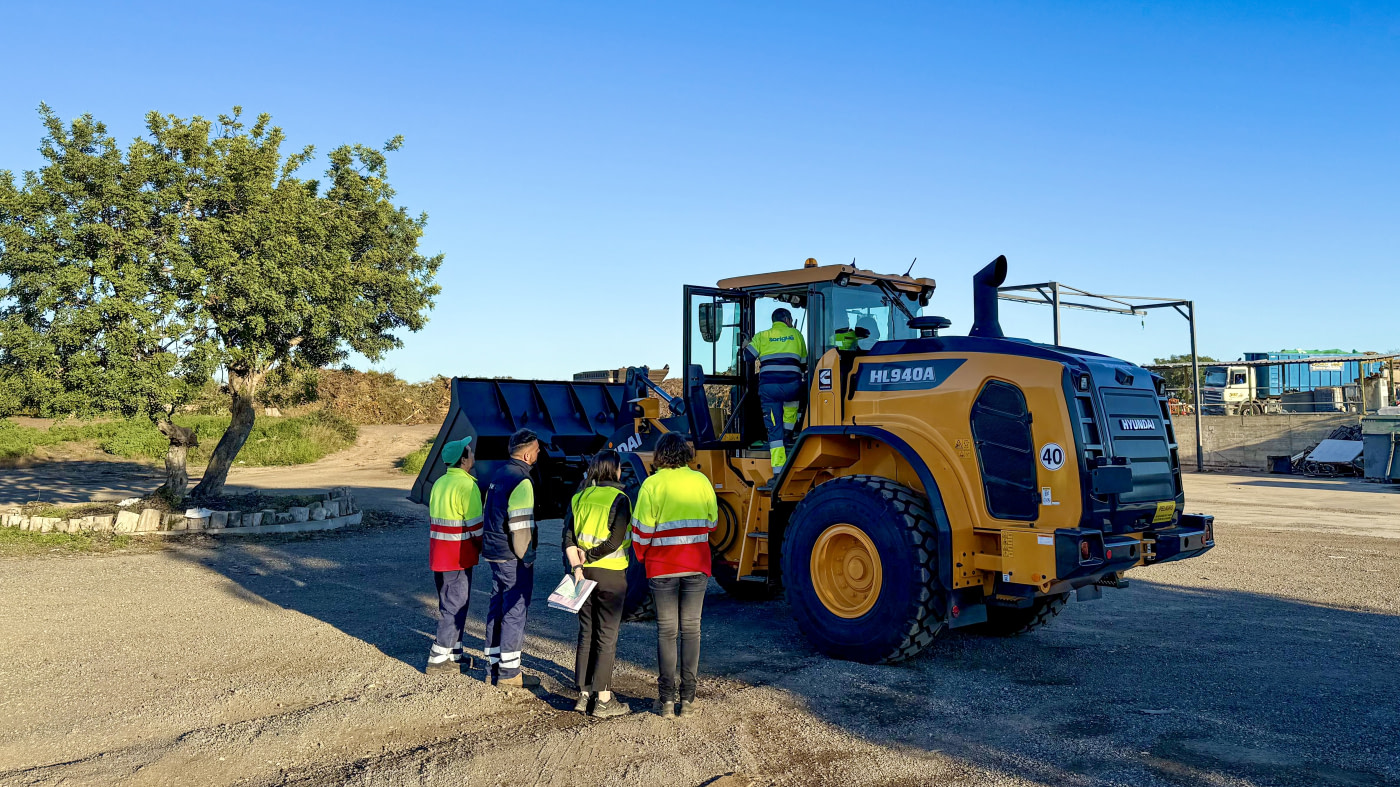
{"points": [[927, 623]]}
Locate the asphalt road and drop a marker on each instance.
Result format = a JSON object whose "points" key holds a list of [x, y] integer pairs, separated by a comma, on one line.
{"points": [[1272, 660]]}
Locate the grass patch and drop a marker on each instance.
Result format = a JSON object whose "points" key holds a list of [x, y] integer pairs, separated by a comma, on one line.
{"points": [[413, 463], [17, 442], [20, 543], [273, 441]]}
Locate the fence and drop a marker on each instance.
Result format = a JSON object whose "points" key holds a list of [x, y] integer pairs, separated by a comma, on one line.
{"points": [[1246, 441]]}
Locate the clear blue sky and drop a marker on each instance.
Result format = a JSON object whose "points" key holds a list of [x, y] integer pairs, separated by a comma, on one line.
{"points": [[581, 161]]}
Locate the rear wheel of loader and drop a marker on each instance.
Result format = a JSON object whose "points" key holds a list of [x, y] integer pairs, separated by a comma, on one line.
{"points": [[1008, 622], [860, 567]]}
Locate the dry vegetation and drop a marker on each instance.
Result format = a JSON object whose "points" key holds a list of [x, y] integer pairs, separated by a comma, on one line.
{"points": [[381, 397]]}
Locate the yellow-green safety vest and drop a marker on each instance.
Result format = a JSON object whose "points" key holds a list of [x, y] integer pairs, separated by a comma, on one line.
{"points": [[779, 349], [592, 525]]}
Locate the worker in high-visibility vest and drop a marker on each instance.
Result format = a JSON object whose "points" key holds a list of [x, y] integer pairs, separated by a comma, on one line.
{"points": [[454, 545], [781, 353], [596, 536], [848, 338], [508, 543], [675, 515]]}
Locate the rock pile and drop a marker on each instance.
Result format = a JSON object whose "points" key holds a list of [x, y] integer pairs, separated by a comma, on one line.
{"points": [[335, 509]]}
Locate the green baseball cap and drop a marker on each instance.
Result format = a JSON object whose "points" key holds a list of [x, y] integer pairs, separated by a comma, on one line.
{"points": [[452, 452]]}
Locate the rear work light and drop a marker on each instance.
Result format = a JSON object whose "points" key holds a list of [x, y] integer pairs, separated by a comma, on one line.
{"points": [[1082, 382]]}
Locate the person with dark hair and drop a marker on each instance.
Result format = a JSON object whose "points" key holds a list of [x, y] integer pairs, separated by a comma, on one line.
{"points": [[676, 513], [781, 353], [454, 545], [508, 544], [597, 529]]}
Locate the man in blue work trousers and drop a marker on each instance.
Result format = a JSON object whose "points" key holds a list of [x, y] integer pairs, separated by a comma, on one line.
{"points": [[508, 544], [781, 353]]}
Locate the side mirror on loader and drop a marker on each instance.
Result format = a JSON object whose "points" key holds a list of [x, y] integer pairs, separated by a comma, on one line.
{"points": [[709, 322]]}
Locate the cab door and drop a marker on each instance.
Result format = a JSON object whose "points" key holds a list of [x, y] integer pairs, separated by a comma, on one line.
{"points": [[717, 379]]}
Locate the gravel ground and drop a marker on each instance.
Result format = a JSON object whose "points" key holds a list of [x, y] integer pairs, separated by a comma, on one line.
{"points": [[1270, 661]]}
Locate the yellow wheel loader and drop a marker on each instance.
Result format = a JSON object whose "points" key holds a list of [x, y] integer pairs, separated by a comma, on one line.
{"points": [[935, 482]]}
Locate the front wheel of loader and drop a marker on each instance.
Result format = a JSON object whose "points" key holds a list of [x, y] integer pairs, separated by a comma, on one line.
{"points": [[1008, 621], [860, 566]]}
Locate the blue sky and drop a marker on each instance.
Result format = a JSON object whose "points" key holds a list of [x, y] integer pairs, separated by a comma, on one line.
{"points": [[579, 162]]}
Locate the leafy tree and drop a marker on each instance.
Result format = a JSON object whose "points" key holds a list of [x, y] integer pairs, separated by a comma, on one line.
{"points": [[1179, 379], [241, 263], [95, 313], [291, 275]]}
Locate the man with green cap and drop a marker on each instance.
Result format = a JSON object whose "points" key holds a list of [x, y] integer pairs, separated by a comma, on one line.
{"points": [[454, 546]]}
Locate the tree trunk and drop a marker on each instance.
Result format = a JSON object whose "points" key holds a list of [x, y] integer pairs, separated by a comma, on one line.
{"points": [[243, 386], [177, 477]]}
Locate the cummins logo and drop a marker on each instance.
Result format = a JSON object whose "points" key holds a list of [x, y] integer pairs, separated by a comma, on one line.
{"points": [[1137, 424]]}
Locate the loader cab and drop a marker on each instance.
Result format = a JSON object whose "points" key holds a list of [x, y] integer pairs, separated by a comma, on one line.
{"points": [[721, 388]]}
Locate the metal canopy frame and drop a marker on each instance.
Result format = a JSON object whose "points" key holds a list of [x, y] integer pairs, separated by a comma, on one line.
{"points": [[1048, 294]]}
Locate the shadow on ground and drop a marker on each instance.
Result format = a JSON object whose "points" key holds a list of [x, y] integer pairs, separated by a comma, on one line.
{"points": [[1157, 684], [1312, 484], [78, 481]]}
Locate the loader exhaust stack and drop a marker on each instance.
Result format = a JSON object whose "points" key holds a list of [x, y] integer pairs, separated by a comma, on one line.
{"points": [[985, 320]]}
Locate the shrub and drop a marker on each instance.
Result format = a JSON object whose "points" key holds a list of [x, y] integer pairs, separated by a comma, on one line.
{"points": [[136, 438], [16, 441], [292, 441], [413, 463]]}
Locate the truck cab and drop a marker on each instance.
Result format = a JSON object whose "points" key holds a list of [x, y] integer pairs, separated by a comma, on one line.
{"points": [[1229, 390]]}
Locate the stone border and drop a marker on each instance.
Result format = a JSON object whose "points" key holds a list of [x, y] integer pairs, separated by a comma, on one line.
{"points": [[335, 510]]}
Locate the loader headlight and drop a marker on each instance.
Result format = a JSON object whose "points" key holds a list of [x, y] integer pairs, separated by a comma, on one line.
{"points": [[1082, 382]]}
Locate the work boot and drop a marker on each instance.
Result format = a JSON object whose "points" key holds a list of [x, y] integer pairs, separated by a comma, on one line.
{"points": [[612, 707], [665, 707], [439, 662], [582, 705], [687, 708], [520, 681]]}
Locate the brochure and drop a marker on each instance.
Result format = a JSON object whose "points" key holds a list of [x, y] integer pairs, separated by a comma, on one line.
{"points": [[570, 595]]}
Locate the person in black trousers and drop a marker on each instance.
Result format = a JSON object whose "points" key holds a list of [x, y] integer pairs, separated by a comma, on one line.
{"points": [[596, 535]]}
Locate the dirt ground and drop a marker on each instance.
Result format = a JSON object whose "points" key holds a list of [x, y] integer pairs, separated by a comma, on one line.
{"points": [[1272, 660], [368, 467]]}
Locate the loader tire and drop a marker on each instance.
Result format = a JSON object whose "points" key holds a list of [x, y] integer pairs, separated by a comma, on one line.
{"points": [[860, 568], [1009, 622]]}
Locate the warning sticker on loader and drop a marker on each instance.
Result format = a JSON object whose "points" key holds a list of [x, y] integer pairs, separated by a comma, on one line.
{"points": [[1052, 456], [1164, 512]]}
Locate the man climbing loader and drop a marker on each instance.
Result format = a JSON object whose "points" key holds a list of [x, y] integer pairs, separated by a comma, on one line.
{"points": [[935, 482]]}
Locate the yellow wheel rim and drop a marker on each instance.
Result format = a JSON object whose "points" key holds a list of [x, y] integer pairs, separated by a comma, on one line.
{"points": [[846, 571]]}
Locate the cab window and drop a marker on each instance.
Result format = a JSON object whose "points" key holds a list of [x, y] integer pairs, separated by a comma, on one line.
{"points": [[866, 307], [714, 335]]}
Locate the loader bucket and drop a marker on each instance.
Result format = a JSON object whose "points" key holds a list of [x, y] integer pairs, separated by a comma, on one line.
{"points": [[573, 419]]}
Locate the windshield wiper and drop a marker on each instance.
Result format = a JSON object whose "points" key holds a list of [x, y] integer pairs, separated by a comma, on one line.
{"points": [[893, 295]]}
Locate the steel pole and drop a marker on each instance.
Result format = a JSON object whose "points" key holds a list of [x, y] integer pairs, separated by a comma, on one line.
{"points": [[1196, 387], [1055, 303]]}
